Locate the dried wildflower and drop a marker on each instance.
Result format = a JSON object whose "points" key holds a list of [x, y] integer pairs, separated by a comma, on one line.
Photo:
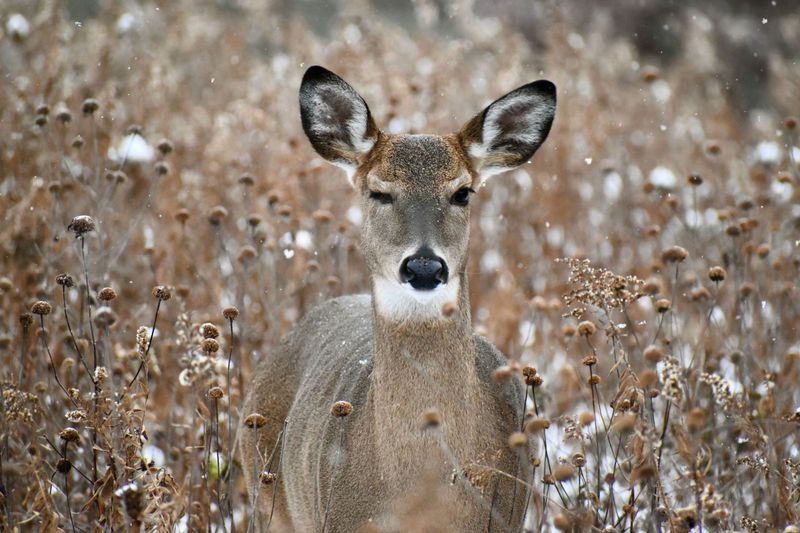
{"points": [[671, 380], [253, 220], [502, 374], [165, 146], [537, 424], [586, 328], [246, 180], [341, 409], [721, 388], [449, 309], [624, 423], [563, 472], [246, 254], [105, 316], [536, 381], [322, 216], [77, 142], [598, 287], [648, 378], [182, 215], [69, 435], [81, 225], [267, 478], [76, 416], [663, 305], [63, 466], [528, 373], [593, 380], [210, 346], [674, 254], [209, 331], [217, 215], [589, 360], [713, 148], [215, 393], [700, 293], [6, 284], [255, 421], [65, 280], [431, 418], [132, 497], [230, 313], [161, 168], [40, 120], [141, 341], [568, 330], [517, 440], [695, 180], [653, 353], [106, 294], [162, 292], [41, 308], [717, 274], [89, 106], [578, 460], [585, 418]]}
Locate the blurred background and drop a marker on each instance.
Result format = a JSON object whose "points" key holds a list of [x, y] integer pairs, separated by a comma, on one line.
{"points": [[174, 125]]}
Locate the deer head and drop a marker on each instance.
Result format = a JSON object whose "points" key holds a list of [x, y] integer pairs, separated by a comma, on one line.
{"points": [[415, 190]]}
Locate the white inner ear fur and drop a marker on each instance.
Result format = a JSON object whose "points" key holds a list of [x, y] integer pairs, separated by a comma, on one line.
{"points": [[401, 302], [532, 113]]}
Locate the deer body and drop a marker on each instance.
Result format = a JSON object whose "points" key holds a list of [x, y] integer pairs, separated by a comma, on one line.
{"points": [[396, 353]]}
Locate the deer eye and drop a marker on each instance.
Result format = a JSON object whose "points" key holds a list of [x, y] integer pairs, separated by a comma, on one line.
{"points": [[461, 196], [381, 197]]}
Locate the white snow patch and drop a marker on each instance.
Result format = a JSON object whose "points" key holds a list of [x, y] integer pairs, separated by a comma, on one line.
{"points": [[768, 152], [18, 26], [133, 149], [304, 240], [663, 177]]}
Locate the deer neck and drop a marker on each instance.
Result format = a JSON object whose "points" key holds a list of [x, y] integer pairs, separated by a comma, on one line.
{"points": [[418, 366]]}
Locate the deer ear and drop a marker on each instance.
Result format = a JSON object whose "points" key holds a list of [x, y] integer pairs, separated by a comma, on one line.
{"points": [[336, 119], [508, 132]]}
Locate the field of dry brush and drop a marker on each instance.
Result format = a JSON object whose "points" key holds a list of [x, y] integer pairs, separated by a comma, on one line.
{"points": [[165, 222]]}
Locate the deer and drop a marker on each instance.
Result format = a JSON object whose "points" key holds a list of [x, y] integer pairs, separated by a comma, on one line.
{"points": [[404, 353]]}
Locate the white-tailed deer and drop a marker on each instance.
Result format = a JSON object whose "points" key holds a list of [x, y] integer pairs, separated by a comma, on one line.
{"points": [[406, 348]]}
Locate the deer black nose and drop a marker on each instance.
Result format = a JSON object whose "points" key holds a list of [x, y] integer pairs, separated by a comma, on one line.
{"points": [[424, 270]]}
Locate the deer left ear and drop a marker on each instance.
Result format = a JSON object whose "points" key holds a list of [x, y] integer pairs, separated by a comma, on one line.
{"points": [[508, 132]]}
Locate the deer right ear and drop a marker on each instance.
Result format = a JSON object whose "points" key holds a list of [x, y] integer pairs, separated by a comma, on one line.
{"points": [[508, 132], [336, 119]]}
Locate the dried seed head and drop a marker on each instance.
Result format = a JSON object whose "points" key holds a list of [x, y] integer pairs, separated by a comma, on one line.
{"points": [[663, 305], [132, 498], [578, 460], [695, 180], [589, 360], [717, 274], [586, 328], [77, 142], [323, 216], [528, 373], [41, 308], [246, 254], [650, 74], [26, 320], [585, 418], [210, 346], [217, 215], [537, 424], [790, 123], [65, 280], [134, 129], [700, 293], [517, 440], [713, 148], [696, 419], [63, 114], [536, 380], [674, 254], [162, 292], [255, 421], [568, 330], [69, 435], [165, 146], [105, 316], [563, 472], [501, 374], [182, 215], [161, 168], [431, 418], [733, 230], [763, 250], [449, 309], [624, 423], [253, 219], [6, 284], [594, 379], [89, 106], [81, 225], [246, 180], [209, 331], [648, 378], [106, 294], [100, 374], [341, 409], [216, 393], [40, 120], [267, 478], [230, 313], [63, 466], [43, 109]]}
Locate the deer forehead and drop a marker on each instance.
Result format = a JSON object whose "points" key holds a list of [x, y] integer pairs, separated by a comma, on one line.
{"points": [[419, 162]]}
